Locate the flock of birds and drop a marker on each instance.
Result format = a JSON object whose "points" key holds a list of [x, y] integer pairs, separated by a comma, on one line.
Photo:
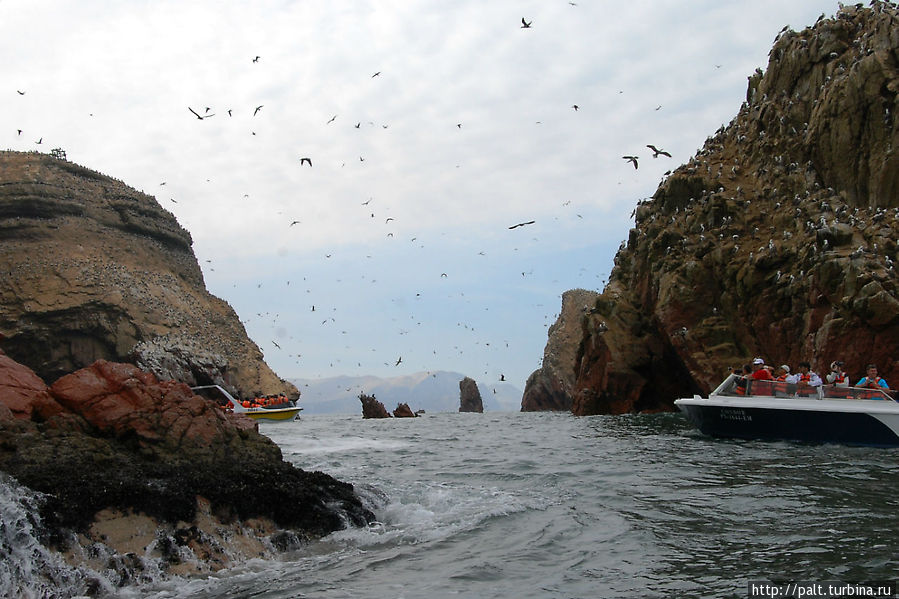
{"points": [[205, 113]]}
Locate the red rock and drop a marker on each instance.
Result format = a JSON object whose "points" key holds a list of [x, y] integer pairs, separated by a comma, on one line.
{"points": [[23, 393], [120, 399]]}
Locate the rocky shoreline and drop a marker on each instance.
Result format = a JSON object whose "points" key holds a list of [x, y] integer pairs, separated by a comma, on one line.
{"points": [[144, 468]]}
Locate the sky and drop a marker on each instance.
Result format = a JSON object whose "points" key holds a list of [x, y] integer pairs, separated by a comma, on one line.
{"points": [[432, 129]]}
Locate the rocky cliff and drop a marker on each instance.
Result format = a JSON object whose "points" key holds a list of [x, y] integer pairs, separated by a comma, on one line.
{"points": [[549, 387], [94, 269], [777, 239]]}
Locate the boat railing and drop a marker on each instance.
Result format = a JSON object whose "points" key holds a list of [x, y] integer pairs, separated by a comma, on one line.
{"points": [[218, 394], [739, 386]]}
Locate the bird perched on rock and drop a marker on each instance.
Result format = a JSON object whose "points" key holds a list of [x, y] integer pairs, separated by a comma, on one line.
{"points": [[631, 159], [656, 151]]}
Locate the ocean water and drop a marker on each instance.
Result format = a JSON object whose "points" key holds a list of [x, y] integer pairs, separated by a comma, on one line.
{"points": [[548, 505]]}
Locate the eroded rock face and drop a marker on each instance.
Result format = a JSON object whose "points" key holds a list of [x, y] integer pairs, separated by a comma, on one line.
{"points": [[94, 269], [470, 396], [550, 387], [778, 239], [113, 437]]}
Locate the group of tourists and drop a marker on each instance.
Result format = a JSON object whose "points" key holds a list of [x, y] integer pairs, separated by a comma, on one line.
{"points": [[806, 377], [266, 401]]}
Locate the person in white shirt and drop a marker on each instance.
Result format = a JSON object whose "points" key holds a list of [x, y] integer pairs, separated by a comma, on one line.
{"points": [[837, 376], [805, 379]]}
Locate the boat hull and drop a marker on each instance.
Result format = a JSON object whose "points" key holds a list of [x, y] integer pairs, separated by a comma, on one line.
{"points": [[851, 422], [272, 413]]}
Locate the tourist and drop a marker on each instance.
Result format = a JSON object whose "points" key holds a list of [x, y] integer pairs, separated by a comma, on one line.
{"points": [[871, 380], [805, 379], [759, 372], [837, 376], [782, 372]]}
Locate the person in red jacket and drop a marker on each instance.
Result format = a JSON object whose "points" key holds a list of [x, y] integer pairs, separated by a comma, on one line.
{"points": [[759, 372]]}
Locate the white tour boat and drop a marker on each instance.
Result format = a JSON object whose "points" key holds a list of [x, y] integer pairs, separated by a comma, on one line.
{"points": [[762, 409]]}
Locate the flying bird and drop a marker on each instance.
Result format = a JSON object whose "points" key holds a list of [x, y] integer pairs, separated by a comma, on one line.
{"points": [[258, 108], [525, 24], [305, 161], [656, 151], [398, 360], [20, 131], [530, 222], [257, 59], [331, 120], [296, 222], [376, 74], [276, 345], [575, 106], [41, 140], [195, 113], [631, 159]]}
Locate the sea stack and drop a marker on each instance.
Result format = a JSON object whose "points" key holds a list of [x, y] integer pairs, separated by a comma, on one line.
{"points": [[777, 239], [469, 396], [372, 408]]}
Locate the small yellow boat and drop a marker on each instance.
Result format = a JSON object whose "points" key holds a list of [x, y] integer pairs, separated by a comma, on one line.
{"points": [[227, 401]]}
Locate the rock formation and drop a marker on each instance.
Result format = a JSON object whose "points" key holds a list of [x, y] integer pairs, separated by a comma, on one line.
{"points": [[550, 387], [469, 396], [110, 445], [94, 269], [777, 239], [372, 408], [404, 411]]}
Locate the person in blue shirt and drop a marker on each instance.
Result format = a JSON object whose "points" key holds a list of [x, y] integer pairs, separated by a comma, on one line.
{"points": [[872, 381]]}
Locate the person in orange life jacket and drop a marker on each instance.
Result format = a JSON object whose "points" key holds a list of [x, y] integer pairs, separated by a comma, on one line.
{"points": [[871, 380], [782, 373], [805, 377], [759, 372], [837, 376]]}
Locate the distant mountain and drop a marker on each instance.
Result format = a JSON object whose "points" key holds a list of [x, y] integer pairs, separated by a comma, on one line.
{"points": [[429, 391]]}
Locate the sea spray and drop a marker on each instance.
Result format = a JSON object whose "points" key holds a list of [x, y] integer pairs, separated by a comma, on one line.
{"points": [[27, 568]]}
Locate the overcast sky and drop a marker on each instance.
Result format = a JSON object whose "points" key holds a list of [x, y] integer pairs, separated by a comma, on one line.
{"points": [[432, 128]]}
